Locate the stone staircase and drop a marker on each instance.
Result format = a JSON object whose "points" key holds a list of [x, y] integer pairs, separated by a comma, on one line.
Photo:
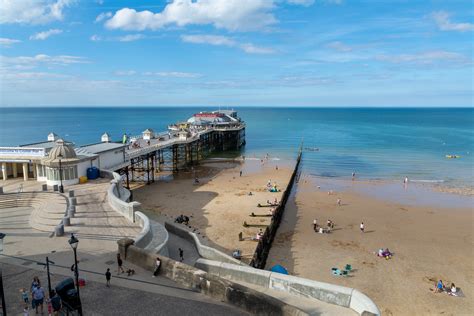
{"points": [[48, 208]]}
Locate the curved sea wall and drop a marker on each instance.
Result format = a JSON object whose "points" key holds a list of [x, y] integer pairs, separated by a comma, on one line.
{"points": [[329, 293], [250, 300], [204, 251], [117, 197]]}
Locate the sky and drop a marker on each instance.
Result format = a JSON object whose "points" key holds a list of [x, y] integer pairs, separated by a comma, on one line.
{"points": [[236, 53]]}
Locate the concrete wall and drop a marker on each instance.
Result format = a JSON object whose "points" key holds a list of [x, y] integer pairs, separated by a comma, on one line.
{"points": [[110, 158], [204, 251], [82, 168], [146, 234], [333, 294], [122, 207], [213, 286]]}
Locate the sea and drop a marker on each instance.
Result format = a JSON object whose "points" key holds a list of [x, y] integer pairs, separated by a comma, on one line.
{"points": [[375, 143]]}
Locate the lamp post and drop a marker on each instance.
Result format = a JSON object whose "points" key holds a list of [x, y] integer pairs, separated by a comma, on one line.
{"points": [[4, 308], [73, 241], [47, 271], [61, 188]]}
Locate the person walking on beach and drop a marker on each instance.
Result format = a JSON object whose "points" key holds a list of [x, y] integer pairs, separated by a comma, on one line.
{"points": [[181, 254], [315, 224], [119, 264], [108, 275], [362, 227], [157, 266], [240, 172], [339, 202], [353, 176]]}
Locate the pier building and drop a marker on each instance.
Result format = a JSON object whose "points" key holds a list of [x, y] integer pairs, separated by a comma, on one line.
{"points": [[136, 158]]}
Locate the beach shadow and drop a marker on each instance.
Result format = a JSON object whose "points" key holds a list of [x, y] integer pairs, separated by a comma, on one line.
{"points": [[369, 231]]}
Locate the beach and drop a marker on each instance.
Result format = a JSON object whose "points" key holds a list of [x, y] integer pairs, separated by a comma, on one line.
{"points": [[429, 243], [220, 204]]}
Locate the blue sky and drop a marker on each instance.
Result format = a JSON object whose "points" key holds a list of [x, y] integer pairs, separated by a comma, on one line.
{"points": [[236, 52]]}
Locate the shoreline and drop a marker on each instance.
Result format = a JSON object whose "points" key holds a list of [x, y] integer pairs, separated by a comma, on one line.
{"points": [[413, 194], [430, 242]]}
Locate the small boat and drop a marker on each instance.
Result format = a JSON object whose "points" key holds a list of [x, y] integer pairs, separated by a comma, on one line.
{"points": [[453, 156], [311, 148]]}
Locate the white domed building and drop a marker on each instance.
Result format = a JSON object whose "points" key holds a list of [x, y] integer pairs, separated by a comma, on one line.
{"points": [[61, 163]]}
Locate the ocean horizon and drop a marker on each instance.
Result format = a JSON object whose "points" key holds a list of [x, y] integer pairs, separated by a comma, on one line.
{"points": [[375, 143]]}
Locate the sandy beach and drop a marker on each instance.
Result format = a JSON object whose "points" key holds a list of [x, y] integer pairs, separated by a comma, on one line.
{"points": [[220, 203], [429, 243]]}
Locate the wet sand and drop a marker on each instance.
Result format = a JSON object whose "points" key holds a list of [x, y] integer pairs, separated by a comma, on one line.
{"points": [[220, 203], [430, 243]]}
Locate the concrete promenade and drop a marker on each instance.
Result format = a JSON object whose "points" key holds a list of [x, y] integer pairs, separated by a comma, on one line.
{"points": [[126, 296], [97, 227]]}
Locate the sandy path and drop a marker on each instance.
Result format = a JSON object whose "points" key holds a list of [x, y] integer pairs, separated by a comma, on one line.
{"points": [[430, 243]]}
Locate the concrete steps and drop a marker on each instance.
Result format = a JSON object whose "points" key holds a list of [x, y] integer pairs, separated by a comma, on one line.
{"points": [[48, 208]]}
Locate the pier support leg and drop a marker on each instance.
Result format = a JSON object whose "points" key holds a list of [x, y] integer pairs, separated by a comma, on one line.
{"points": [[25, 171], [35, 172]]}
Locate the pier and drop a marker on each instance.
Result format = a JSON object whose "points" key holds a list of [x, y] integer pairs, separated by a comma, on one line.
{"points": [[136, 158]]}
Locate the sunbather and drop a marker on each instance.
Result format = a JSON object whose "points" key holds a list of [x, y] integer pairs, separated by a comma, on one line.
{"points": [[454, 290]]}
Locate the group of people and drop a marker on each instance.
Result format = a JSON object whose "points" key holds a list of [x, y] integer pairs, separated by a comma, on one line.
{"points": [[182, 219], [451, 290], [385, 253], [272, 187], [319, 229], [38, 298]]}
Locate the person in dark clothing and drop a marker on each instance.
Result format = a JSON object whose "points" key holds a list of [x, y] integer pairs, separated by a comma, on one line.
{"points": [[157, 267], [181, 254], [119, 264], [108, 275], [55, 302]]}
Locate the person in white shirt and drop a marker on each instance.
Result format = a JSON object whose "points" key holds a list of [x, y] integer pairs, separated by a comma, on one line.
{"points": [[362, 227]]}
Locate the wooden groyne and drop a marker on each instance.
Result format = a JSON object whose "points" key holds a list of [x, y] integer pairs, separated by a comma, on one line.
{"points": [[264, 245]]}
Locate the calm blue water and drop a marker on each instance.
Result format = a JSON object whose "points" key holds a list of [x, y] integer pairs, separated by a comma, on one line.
{"points": [[375, 143]]}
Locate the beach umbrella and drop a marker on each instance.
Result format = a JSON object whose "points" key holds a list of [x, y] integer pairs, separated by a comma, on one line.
{"points": [[279, 269]]}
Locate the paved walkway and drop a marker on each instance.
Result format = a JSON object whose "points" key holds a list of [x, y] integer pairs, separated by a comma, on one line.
{"points": [[122, 298]]}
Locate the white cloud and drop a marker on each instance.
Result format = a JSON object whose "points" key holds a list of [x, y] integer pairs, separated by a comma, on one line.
{"points": [[130, 37], [95, 38], [252, 49], [339, 46], [424, 58], [7, 42], [103, 16], [444, 24], [125, 72], [308, 3], [208, 39], [32, 11], [27, 62], [232, 15], [30, 75], [218, 40], [44, 35], [177, 74]]}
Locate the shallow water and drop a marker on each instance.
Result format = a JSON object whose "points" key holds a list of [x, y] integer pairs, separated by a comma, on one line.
{"points": [[375, 143], [412, 194]]}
